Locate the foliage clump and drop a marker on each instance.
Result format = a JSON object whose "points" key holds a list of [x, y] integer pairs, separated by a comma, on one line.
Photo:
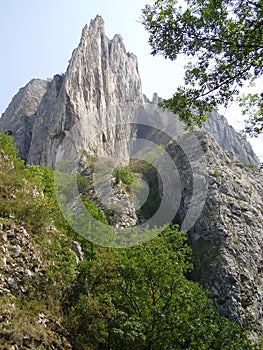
{"points": [[139, 298], [224, 44], [124, 175]]}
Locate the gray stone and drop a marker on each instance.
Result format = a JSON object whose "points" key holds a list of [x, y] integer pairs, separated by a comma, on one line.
{"points": [[101, 78], [76, 248], [227, 238], [19, 116], [96, 98], [16, 251], [12, 283], [98, 95], [227, 138]]}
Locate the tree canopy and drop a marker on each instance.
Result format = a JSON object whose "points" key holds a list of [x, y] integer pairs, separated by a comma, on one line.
{"points": [[223, 40], [139, 298]]}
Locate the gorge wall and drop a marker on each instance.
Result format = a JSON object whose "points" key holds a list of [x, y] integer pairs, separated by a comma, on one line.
{"points": [[226, 239], [101, 77], [99, 93]]}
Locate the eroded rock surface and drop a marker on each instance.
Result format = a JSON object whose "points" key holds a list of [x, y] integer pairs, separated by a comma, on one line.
{"points": [[227, 238], [19, 116], [227, 138], [91, 107]]}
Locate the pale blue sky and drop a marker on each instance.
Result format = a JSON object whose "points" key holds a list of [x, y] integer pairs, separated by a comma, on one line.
{"points": [[38, 36]]}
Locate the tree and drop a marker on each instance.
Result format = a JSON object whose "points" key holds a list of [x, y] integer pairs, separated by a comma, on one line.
{"points": [[139, 298], [224, 42]]}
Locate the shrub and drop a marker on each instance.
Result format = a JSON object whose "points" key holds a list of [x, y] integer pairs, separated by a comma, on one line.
{"points": [[139, 298], [125, 175]]}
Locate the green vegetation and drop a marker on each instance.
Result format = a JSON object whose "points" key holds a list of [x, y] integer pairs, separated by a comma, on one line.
{"points": [[137, 298], [217, 173], [251, 166], [9, 150], [124, 174], [224, 42], [95, 211], [150, 176]]}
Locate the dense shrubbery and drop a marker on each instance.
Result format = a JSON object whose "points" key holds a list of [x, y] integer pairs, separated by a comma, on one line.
{"points": [[19, 196], [150, 176], [136, 298], [95, 211], [124, 174], [139, 298]]}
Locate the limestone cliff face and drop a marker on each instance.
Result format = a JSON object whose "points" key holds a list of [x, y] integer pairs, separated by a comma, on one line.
{"points": [[227, 238], [218, 127], [101, 78], [227, 137], [19, 116], [94, 102], [97, 95]]}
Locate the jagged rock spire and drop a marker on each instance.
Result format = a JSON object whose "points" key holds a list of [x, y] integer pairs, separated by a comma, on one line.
{"points": [[100, 77], [100, 74]]}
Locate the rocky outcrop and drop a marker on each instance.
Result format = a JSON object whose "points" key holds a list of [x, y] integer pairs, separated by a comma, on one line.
{"points": [[229, 139], [227, 238], [22, 265], [90, 108], [100, 79], [19, 116], [19, 259], [120, 211], [114, 199], [93, 104], [218, 127]]}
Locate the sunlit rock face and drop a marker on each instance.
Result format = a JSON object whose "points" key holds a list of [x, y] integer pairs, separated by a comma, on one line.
{"points": [[93, 104], [20, 115], [227, 237], [96, 95], [101, 78]]}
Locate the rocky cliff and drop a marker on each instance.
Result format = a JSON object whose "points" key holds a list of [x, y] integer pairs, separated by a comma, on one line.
{"points": [[98, 95], [90, 108], [19, 117], [100, 79], [228, 138], [227, 237]]}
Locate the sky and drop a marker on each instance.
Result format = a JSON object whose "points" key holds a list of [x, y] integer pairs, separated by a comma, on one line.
{"points": [[37, 38]]}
